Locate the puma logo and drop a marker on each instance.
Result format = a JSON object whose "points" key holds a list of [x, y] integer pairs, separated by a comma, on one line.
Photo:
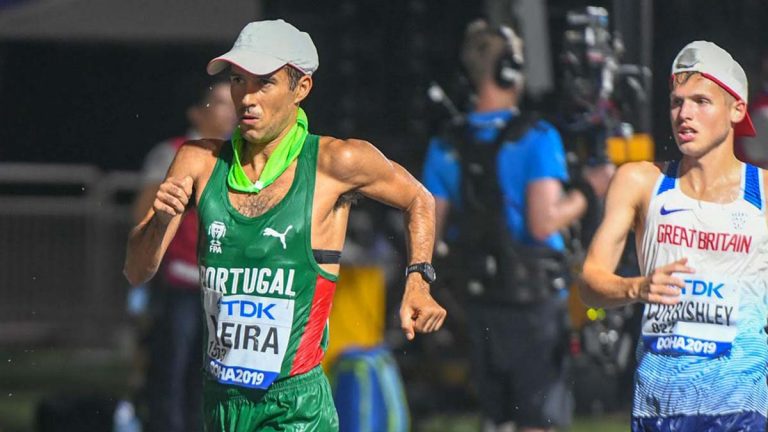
{"points": [[269, 232]]}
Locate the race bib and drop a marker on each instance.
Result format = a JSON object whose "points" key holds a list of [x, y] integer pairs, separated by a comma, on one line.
{"points": [[247, 337], [702, 324]]}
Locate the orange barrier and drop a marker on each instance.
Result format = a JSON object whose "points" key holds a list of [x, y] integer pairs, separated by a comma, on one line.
{"points": [[638, 147]]}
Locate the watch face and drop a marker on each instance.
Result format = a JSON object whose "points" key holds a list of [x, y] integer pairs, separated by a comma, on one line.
{"points": [[429, 273], [426, 270]]}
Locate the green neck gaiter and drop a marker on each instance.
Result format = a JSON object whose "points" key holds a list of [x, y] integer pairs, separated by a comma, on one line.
{"points": [[280, 159]]}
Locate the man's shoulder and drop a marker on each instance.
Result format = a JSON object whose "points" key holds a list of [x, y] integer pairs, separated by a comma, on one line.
{"points": [[642, 169], [199, 154], [341, 154], [329, 146], [638, 176]]}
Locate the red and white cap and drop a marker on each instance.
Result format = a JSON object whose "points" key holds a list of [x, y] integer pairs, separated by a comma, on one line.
{"points": [[717, 65], [265, 46]]}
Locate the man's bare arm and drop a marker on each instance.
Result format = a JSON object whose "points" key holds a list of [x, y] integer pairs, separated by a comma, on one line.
{"points": [[149, 240], [602, 287], [144, 200], [549, 210], [361, 167]]}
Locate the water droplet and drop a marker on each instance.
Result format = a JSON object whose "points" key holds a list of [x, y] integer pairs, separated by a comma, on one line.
{"points": [[10, 394]]}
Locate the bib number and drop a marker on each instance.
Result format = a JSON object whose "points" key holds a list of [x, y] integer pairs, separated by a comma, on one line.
{"points": [[247, 337], [702, 324]]}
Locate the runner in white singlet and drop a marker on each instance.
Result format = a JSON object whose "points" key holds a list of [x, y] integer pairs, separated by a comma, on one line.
{"points": [[702, 241]]}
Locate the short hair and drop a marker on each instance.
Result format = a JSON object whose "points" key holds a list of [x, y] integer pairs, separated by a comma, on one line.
{"points": [[294, 75], [681, 78], [482, 47]]}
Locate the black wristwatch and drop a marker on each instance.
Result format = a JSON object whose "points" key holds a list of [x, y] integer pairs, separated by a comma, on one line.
{"points": [[426, 270]]}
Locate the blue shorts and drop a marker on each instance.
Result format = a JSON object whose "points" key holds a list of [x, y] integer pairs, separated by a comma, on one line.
{"points": [[748, 421]]}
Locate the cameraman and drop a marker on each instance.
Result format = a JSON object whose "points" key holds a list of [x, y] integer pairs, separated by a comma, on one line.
{"points": [[502, 172]]}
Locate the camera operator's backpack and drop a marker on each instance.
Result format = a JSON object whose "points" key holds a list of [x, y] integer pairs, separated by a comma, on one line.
{"points": [[497, 267]]}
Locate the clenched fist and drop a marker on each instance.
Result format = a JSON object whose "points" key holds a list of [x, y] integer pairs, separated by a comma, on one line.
{"points": [[419, 312], [172, 198]]}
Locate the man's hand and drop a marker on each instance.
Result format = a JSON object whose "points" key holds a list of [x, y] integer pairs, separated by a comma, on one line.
{"points": [[661, 287], [172, 198], [419, 312]]}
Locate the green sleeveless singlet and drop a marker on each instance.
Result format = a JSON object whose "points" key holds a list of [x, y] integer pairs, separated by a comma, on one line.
{"points": [[266, 300]]}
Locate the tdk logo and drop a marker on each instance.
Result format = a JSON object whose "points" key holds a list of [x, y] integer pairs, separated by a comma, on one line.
{"points": [[703, 288], [248, 309]]}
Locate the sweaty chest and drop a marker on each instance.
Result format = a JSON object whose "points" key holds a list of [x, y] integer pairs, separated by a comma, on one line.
{"points": [[254, 205]]}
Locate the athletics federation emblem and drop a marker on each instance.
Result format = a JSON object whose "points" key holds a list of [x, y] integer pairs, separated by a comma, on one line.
{"points": [[738, 219], [269, 232], [216, 231]]}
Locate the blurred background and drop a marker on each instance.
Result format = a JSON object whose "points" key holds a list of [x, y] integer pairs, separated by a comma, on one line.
{"points": [[88, 87]]}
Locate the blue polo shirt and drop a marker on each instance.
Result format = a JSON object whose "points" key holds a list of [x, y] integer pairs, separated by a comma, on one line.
{"points": [[537, 155]]}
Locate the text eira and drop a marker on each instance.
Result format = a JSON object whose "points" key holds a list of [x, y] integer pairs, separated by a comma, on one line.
{"points": [[248, 280], [243, 337]]}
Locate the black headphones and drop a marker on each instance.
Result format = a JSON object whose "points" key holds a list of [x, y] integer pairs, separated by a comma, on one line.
{"points": [[509, 65]]}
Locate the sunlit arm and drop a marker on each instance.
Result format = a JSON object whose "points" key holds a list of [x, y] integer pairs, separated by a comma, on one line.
{"points": [[149, 240], [366, 170], [146, 246], [363, 168], [602, 287]]}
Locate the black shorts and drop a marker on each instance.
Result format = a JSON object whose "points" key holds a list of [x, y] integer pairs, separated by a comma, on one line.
{"points": [[519, 362]]}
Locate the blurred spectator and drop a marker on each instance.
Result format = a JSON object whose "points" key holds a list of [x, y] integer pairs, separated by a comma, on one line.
{"points": [[502, 172], [173, 382]]}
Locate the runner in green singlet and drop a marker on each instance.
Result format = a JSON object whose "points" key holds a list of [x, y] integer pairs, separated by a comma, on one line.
{"points": [[273, 217]]}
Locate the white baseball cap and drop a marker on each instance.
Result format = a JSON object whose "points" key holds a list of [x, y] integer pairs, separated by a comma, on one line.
{"points": [[716, 64], [265, 46]]}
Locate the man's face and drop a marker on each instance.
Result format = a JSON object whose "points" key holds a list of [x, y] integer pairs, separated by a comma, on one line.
{"points": [[216, 118], [701, 113], [265, 104]]}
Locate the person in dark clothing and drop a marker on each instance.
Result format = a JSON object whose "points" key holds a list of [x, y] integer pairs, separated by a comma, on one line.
{"points": [[501, 173]]}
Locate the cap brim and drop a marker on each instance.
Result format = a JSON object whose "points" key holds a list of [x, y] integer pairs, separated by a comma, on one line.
{"points": [[745, 127], [255, 63]]}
